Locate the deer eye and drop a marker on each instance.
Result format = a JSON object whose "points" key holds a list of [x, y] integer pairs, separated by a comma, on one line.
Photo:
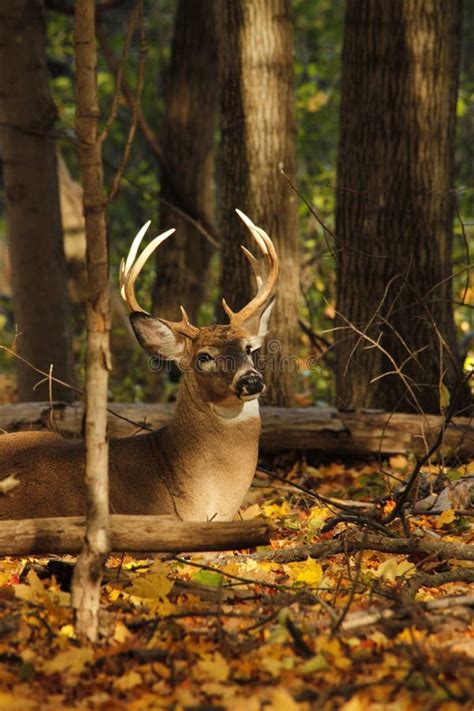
{"points": [[203, 358], [248, 350]]}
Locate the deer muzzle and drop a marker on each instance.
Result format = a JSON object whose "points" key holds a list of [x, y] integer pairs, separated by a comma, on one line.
{"points": [[249, 385]]}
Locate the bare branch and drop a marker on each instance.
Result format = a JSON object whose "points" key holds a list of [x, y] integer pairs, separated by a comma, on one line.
{"points": [[136, 102]]}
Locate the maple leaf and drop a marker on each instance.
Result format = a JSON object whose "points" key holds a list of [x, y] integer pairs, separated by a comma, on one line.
{"points": [[277, 510], [212, 666], [307, 572], [151, 586], [317, 518], [15, 702], [153, 589], [281, 700], [390, 569], [72, 661], [128, 681], [121, 632], [445, 518]]}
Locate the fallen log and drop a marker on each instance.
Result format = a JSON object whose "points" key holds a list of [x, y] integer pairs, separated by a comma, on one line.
{"points": [[134, 534], [339, 433]]}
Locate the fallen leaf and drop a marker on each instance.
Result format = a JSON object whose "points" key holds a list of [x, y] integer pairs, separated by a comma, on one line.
{"points": [[128, 681], [445, 518], [398, 461], [150, 587], [121, 632], [72, 660], [308, 572], [212, 666], [390, 569]]}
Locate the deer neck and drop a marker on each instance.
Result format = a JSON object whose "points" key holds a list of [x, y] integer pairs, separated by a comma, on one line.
{"points": [[215, 450], [194, 411]]}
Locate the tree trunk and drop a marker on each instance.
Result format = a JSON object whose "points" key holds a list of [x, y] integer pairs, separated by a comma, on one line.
{"points": [[39, 278], [257, 139], [395, 205], [88, 570], [187, 166]]}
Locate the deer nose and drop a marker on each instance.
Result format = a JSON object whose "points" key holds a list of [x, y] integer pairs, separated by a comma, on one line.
{"points": [[250, 384]]}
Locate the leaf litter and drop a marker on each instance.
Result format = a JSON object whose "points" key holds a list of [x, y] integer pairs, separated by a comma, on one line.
{"points": [[240, 631]]}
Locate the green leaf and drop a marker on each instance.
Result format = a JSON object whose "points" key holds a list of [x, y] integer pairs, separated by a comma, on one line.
{"points": [[208, 577]]}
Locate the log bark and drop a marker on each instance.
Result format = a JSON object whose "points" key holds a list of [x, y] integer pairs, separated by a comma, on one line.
{"points": [[338, 433], [134, 534]]}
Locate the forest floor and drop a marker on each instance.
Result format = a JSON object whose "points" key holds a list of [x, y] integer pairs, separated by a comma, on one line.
{"points": [[246, 631]]}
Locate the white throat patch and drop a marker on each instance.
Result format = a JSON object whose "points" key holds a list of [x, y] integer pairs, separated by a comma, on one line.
{"points": [[241, 411]]}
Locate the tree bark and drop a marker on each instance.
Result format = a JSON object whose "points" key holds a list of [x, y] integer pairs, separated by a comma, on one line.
{"points": [[134, 534], [39, 278], [257, 139], [340, 434], [88, 570], [187, 165], [395, 205]]}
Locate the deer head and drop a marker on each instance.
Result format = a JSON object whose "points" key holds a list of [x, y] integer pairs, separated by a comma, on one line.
{"points": [[217, 359]]}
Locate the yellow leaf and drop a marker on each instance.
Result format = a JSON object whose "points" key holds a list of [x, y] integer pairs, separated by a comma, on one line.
{"points": [[470, 467], [14, 702], [72, 660], [272, 665], [317, 518], [317, 101], [150, 587], [4, 579], [121, 632], [128, 681], [212, 666], [398, 461], [277, 510], [67, 631], [251, 512], [315, 664], [445, 518], [390, 569], [33, 591], [281, 700], [308, 572], [444, 397], [357, 703]]}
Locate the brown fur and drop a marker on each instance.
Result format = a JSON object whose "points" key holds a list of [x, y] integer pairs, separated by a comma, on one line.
{"points": [[198, 467]]}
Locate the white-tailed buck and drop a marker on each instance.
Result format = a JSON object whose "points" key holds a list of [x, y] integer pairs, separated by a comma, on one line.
{"points": [[198, 467]]}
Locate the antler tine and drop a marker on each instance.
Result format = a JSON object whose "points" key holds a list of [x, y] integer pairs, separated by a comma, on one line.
{"points": [[265, 283], [255, 264], [130, 269]]}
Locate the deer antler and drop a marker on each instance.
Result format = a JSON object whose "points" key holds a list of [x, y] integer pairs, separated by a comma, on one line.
{"points": [[266, 277], [131, 267]]}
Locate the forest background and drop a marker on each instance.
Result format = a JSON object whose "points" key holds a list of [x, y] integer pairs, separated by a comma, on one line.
{"points": [[145, 191]]}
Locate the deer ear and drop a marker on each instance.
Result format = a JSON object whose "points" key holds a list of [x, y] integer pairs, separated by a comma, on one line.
{"points": [[156, 337], [257, 325], [265, 318]]}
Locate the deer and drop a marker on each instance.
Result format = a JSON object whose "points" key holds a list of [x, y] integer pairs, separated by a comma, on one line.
{"points": [[198, 467]]}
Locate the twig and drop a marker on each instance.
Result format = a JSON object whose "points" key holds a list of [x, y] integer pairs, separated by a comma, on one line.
{"points": [[136, 102], [46, 375], [359, 620], [120, 70], [423, 460], [353, 543]]}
